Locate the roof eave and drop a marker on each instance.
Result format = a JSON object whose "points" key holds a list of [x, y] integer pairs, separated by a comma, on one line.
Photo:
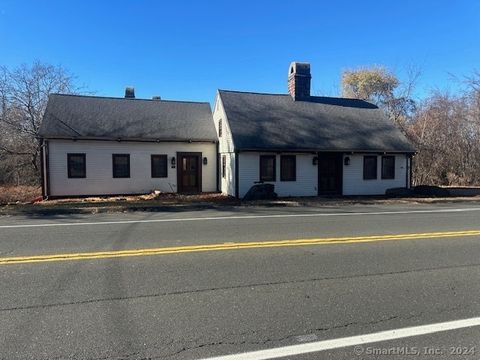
{"points": [[120, 139]]}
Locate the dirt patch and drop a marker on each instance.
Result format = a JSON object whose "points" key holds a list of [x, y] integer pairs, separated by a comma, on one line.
{"points": [[19, 194]]}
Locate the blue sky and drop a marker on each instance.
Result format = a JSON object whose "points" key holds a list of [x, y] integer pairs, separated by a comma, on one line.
{"points": [[188, 49]]}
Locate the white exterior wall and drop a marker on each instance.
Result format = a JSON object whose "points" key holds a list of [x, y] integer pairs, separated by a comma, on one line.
{"points": [[305, 185], [225, 147], [100, 179], [353, 183]]}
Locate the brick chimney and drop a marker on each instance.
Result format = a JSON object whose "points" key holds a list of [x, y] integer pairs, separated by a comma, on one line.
{"points": [[129, 92], [299, 80]]}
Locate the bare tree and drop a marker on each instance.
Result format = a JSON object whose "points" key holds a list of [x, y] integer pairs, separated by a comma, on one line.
{"points": [[380, 86], [24, 94], [448, 141]]}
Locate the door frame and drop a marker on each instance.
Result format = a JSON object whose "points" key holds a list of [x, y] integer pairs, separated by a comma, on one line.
{"points": [[180, 156], [339, 176]]}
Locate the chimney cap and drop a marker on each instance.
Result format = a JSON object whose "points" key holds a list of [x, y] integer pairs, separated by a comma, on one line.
{"points": [[129, 92], [299, 68]]}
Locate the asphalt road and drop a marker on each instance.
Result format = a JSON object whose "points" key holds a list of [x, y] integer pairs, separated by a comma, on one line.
{"points": [[188, 305]]}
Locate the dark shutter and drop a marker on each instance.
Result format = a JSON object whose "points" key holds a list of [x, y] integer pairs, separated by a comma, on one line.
{"points": [[159, 166], [121, 165], [369, 167], [288, 168], [388, 167], [267, 167], [76, 165], [220, 130]]}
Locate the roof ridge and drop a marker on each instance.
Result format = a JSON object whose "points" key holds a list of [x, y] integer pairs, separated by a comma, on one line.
{"points": [[283, 94], [122, 98], [253, 92]]}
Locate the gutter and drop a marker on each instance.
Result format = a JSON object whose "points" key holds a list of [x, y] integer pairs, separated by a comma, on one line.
{"points": [[315, 151], [120, 139]]}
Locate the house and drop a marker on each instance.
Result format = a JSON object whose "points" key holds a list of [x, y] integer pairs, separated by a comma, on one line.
{"points": [[104, 146], [302, 144], [307, 145]]}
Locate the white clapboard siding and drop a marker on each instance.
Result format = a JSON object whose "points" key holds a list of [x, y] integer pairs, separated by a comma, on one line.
{"points": [[99, 178], [225, 148], [354, 184], [305, 185], [227, 182]]}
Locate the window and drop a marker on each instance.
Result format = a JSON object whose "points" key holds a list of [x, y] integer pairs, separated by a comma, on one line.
{"points": [[369, 167], [159, 166], [76, 166], [220, 130], [388, 167], [267, 167], [121, 165], [288, 168], [224, 166]]}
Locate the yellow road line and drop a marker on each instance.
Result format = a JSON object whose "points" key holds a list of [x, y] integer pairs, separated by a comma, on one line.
{"points": [[231, 246]]}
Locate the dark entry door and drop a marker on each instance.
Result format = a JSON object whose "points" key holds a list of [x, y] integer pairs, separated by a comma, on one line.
{"points": [[330, 174], [189, 172]]}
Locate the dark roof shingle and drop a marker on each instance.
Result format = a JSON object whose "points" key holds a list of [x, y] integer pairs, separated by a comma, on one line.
{"points": [[112, 118], [275, 121]]}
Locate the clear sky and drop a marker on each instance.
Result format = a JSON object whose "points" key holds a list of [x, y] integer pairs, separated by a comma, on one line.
{"points": [[186, 50]]}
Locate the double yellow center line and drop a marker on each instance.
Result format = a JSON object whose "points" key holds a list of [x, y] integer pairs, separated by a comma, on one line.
{"points": [[231, 246]]}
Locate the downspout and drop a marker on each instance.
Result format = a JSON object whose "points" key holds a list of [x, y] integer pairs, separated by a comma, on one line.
{"points": [[47, 171], [42, 167], [407, 171], [237, 193], [411, 171], [218, 166]]}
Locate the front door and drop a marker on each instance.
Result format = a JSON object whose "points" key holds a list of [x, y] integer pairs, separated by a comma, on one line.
{"points": [[189, 172], [330, 173]]}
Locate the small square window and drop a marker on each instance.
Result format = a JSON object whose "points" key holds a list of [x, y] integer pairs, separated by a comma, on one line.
{"points": [[121, 165], [159, 166], [288, 168], [369, 168], [76, 165], [267, 167], [388, 167]]}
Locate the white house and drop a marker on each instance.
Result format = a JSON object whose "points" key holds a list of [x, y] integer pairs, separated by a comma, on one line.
{"points": [[304, 145], [307, 145], [104, 146]]}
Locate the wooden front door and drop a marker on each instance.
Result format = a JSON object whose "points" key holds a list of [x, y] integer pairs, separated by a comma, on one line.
{"points": [[189, 172], [330, 174]]}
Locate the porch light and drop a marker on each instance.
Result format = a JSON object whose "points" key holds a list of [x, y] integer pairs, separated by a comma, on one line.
{"points": [[346, 161], [173, 162], [205, 161], [315, 160]]}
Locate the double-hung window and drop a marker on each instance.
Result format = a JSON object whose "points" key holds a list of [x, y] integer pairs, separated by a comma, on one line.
{"points": [[369, 167], [121, 165], [267, 167], [159, 166], [76, 165]]}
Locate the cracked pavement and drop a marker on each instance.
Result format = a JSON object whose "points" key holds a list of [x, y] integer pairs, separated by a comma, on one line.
{"points": [[188, 306]]}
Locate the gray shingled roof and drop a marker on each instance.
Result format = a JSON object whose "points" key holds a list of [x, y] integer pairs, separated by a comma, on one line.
{"points": [[77, 116], [276, 121]]}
